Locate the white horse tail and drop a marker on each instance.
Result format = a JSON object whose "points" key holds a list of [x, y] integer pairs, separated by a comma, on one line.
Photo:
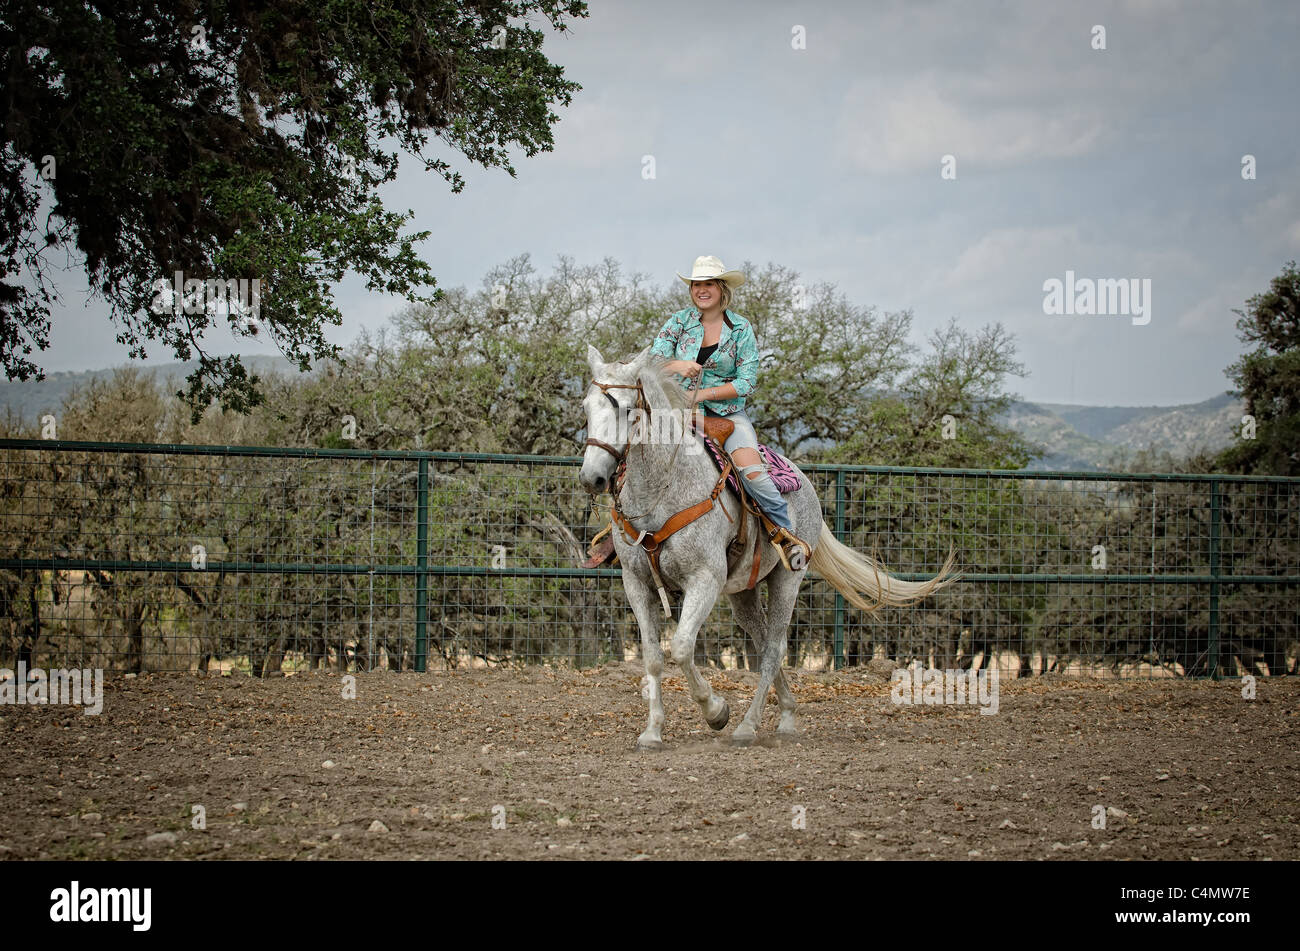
{"points": [[851, 573]]}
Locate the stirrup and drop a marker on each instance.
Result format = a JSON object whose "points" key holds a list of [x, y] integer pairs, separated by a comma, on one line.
{"points": [[601, 550], [795, 553]]}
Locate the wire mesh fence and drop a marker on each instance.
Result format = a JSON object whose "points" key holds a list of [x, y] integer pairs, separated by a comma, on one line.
{"points": [[134, 557]]}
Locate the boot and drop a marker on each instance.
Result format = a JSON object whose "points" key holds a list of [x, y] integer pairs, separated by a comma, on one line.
{"points": [[794, 551], [601, 550]]}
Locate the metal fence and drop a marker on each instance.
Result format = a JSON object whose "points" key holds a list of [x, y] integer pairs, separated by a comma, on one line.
{"points": [[175, 557]]}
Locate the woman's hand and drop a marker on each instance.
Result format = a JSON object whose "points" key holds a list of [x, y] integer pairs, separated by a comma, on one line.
{"points": [[687, 368]]}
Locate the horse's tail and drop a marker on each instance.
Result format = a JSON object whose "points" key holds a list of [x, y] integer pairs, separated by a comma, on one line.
{"points": [[850, 573]]}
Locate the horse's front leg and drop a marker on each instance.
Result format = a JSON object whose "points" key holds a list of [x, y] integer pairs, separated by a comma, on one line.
{"points": [[645, 605], [701, 594]]}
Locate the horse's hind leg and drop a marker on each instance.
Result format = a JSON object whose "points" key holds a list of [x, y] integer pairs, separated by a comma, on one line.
{"points": [[749, 614], [782, 594], [769, 669], [785, 698], [782, 589]]}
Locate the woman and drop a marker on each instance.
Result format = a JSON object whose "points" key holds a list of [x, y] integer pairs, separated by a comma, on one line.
{"points": [[716, 347]]}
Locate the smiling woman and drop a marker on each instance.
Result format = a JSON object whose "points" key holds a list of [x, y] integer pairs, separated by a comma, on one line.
{"points": [[714, 349]]}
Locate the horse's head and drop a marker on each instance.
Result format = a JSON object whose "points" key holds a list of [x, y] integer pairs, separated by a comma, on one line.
{"points": [[611, 407]]}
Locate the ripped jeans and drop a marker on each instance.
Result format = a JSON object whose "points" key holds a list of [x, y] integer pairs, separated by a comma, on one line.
{"points": [[759, 487]]}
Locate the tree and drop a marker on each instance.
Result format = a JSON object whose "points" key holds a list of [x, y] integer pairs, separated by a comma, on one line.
{"points": [[230, 140], [840, 382], [824, 360], [1269, 378]]}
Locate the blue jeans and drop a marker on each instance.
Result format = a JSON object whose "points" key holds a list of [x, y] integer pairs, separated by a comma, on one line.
{"points": [[760, 487]]}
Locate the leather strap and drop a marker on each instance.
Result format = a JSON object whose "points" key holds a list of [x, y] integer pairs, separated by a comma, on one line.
{"points": [[652, 542], [758, 557], [641, 404], [674, 524], [607, 447]]}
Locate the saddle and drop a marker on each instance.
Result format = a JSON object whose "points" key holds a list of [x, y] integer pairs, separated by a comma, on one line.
{"points": [[717, 428]]}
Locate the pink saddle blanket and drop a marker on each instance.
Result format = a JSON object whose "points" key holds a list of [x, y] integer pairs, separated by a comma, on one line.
{"points": [[784, 476]]}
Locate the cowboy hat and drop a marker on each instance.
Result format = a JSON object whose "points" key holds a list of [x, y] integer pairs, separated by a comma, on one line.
{"points": [[709, 268]]}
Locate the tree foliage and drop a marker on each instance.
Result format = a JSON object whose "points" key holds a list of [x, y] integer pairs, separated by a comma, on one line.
{"points": [[503, 368], [1269, 378], [228, 139]]}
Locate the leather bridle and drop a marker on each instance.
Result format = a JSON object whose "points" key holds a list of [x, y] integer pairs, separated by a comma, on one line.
{"points": [[641, 404]]}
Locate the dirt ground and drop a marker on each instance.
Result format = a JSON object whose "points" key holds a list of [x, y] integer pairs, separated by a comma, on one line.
{"points": [[424, 765]]}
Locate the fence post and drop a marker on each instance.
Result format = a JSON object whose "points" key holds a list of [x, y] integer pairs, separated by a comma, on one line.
{"points": [[839, 598], [422, 568], [1213, 651]]}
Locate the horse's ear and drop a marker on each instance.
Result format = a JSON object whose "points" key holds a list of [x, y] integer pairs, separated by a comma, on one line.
{"points": [[594, 359], [641, 358]]}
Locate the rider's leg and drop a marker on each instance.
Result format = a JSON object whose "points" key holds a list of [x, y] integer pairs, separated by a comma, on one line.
{"points": [[760, 487], [742, 444]]}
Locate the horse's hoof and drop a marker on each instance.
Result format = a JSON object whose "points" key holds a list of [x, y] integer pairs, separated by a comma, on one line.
{"points": [[743, 739], [649, 746], [721, 720]]}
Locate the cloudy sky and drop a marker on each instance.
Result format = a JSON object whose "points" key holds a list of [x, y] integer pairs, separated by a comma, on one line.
{"points": [[1116, 163]]}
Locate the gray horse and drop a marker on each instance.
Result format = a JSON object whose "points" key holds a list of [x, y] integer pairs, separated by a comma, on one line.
{"points": [[665, 476]]}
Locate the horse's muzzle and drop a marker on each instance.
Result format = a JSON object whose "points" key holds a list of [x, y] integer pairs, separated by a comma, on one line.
{"points": [[593, 481]]}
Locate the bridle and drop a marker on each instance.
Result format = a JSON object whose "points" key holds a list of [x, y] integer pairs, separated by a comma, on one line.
{"points": [[641, 404]]}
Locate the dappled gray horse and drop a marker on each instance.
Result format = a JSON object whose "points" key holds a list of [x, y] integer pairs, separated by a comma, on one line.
{"points": [[662, 479]]}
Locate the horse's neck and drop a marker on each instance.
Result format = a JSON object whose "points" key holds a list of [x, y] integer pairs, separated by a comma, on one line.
{"points": [[651, 466]]}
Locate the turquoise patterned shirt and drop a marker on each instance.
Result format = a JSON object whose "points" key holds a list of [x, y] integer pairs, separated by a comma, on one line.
{"points": [[735, 361]]}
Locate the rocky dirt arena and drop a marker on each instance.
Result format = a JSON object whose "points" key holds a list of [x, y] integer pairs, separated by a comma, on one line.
{"points": [[539, 763]]}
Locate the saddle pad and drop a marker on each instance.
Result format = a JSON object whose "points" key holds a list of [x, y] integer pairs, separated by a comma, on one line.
{"points": [[783, 474]]}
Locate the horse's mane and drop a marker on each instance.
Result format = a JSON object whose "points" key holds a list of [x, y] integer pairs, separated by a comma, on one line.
{"points": [[677, 397]]}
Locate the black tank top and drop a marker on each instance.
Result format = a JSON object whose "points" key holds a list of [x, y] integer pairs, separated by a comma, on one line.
{"points": [[703, 355]]}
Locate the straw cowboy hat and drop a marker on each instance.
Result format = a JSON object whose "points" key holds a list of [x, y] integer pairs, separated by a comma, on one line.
{"points": [[709, 268]]}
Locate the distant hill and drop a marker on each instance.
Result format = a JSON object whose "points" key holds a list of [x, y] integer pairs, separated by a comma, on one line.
{"points": [[30, 399], [1073, 437], [1099, 437]]}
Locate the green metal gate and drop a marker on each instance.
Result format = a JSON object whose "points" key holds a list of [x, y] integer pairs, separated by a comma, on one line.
{"points": [[180, 557]]}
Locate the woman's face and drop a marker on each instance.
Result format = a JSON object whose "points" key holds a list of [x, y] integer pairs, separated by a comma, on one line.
{"points": [[705, 294]]}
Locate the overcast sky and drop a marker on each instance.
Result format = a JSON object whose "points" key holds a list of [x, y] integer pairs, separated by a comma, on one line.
{"points": [[1117, 163]]}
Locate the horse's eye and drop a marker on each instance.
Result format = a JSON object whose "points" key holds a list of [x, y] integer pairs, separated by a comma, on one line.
{"points": [[612, 402]]}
